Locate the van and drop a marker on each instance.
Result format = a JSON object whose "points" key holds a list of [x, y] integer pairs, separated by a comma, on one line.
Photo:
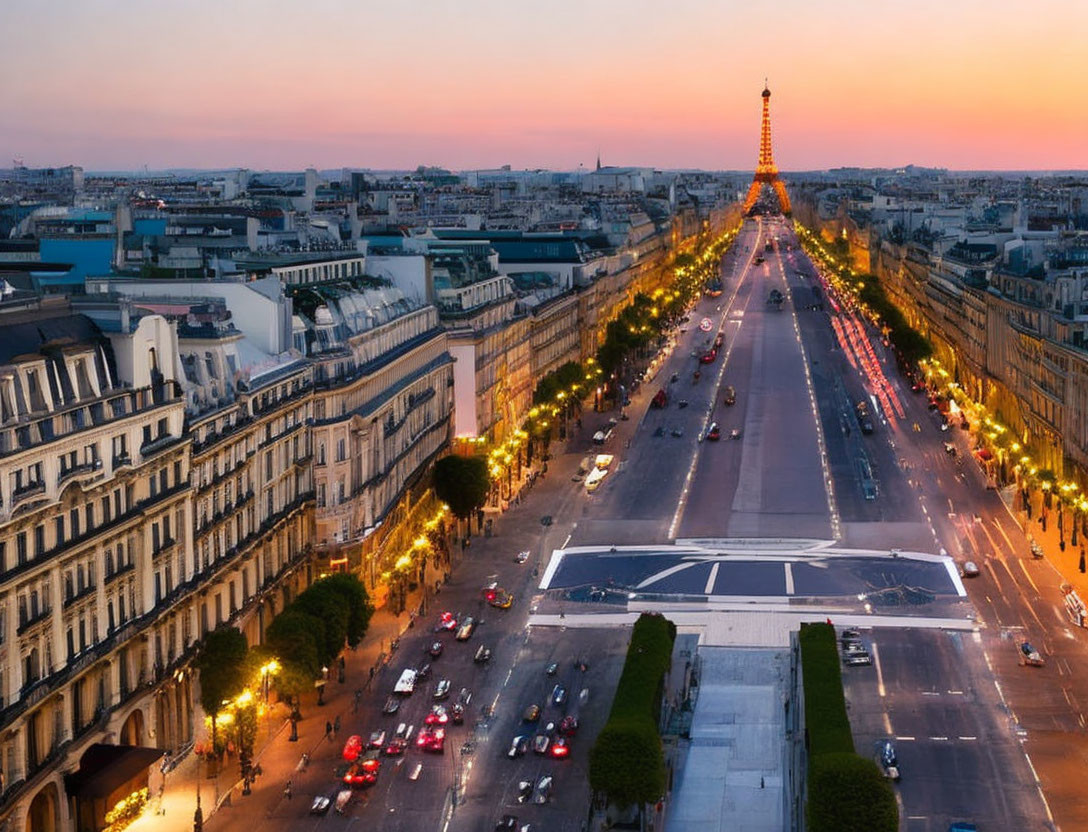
{"points": [[406, 683]]}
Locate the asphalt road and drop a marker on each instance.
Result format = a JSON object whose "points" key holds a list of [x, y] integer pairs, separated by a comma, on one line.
{"points": [[931, 694]]}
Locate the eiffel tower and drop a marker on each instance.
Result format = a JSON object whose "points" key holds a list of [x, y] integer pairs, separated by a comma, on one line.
{"points": [[766, 171]]}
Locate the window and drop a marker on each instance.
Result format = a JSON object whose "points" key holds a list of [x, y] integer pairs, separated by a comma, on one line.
{"points": [[163, 481], [73, 521], [106, 509], [155, 542], [20, 548], [341, 454], [109, 562], [58, 522], [39, 540], [320, 453], [89, 514]]}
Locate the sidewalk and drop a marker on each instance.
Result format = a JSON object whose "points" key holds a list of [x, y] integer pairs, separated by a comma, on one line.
{"points": [[277, 756]]}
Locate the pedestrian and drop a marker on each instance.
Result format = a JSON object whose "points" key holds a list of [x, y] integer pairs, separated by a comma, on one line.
{"points": [[328, 730], [358, 697], [287, 790], [336, 725]]}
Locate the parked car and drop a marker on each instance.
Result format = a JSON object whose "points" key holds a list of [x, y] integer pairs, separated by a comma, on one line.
{"points": [[857, 659]]}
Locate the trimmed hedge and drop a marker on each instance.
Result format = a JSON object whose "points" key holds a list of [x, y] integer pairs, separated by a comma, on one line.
{"points": [[627, 763], [825, 705], [846, 792]]}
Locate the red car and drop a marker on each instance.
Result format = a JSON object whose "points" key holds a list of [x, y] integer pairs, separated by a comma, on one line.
{"points": [[431, 738], [568, 726], [447, 622], [363, 772], [396, 747], [708, 358], [353, 747], [560, 748]]}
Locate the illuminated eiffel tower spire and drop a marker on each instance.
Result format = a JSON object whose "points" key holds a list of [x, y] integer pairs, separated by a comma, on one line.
{"points": [[766, 171]]}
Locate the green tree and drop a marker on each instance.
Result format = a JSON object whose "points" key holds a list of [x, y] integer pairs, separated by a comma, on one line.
{"points": [[627, 763], [221, 665], [461, 483], [322, 602], [848, 793], [295, 639], [351, 589]]}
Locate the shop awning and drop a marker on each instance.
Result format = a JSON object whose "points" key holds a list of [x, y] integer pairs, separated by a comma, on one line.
{"points": [[105, 768]]}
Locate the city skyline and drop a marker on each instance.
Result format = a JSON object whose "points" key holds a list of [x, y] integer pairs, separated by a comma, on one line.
{"points": [[483, 85]]}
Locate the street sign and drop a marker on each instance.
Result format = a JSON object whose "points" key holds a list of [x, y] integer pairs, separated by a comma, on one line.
{"points": [[706, 324]]}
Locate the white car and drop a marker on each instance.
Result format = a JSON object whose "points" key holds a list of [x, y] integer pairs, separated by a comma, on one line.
{"points": [[970, 570], [522, 556]]}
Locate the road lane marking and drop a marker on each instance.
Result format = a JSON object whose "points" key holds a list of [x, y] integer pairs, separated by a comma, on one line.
{"points": [[789, 578], [968, 739], [939, 739], [879, 672], [709, 589], [888, 723], [904, 739]]}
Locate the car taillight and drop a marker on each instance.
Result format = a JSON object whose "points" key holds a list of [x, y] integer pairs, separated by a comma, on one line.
{"points": [[560, 751]]}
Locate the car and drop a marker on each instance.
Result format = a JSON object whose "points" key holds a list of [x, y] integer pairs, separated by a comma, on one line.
{"points": [[402, 731], [525, 791], [353, 748], [559, 695], [853, 646], [442, 689], [396, 747], [363, 772], [447, 622], [521, 556], [437, 716], [850, 635], [506, 822], [498, 597], [730, 396], [560, 748], [857, 659], [431, 738], [1030, 656], [552, 669], [483, 655], [464, 632], [457, 714], [518, 746], [423, 672], [714, 433], [674, 377], [377, 739], [659, 431], [734, 433], [970, 570], [682, 403], [708, 357], [320, 804], [543, 790], [435, 650], [677, 432], [392, 705], [541, 743], [531, 714], [568, 725]]}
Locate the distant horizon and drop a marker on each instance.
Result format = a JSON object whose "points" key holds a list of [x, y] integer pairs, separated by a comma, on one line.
{"points": [[135, 173], [953, 84]]}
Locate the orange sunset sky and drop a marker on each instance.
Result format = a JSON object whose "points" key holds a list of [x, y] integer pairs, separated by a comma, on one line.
{"points": [[120, 84]]}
